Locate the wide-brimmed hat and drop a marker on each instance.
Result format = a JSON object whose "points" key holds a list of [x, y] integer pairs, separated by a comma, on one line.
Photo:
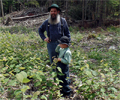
{"points": [[54, 6], [64, 40]]}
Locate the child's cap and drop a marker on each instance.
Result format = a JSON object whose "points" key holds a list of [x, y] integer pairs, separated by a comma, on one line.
{"points": [[64, 40]]}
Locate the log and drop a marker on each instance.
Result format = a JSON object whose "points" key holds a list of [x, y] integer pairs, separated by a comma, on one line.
{"points": [[27, 17]]}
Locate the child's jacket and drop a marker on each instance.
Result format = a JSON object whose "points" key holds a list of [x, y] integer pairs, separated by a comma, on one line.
{"points": [[64, 54]]}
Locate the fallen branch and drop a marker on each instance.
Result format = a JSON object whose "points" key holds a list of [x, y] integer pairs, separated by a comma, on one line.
{"points": [[26, 17]]}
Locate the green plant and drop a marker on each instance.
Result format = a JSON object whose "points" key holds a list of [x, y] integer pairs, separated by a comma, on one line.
{"points": [[25, 71]]}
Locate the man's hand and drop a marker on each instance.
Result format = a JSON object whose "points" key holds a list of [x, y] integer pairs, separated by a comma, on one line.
{"points": [[47, 40]]}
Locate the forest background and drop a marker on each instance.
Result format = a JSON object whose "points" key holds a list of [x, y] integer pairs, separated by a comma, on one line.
{"points": [[91, 13]]}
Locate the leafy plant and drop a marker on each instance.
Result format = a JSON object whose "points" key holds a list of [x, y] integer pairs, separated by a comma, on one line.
{"points": [[25, 70]]}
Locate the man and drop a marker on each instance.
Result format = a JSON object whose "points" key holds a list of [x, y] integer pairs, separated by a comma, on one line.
{"points": [[56, 27]]}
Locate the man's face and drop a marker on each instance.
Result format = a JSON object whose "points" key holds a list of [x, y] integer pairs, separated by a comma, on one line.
{"points": [[53, 13]]}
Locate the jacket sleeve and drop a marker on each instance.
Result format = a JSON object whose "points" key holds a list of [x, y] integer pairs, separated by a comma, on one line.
{"points": [[57, 48], [42, 29], [67, 58], [66, 30]]}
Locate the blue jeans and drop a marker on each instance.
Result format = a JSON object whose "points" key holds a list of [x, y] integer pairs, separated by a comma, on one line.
{"points": [[51, 50]]}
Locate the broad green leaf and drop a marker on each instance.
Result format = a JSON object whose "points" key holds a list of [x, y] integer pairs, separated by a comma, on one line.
{"points": [[12, 83], [82, 68], [17, 92], [22, 68], [26, 80], [59, 69], [37, 84], [87, 65], [113, 89], [102, 90], [43, 97], [50, 96], [106, 69], [35, 95], [6, 74], [49, 84], [41, 73], [25, 88], [24, 74], [19, 77], [43, 87], [103, 76], [118, 96], [112, 96], [4, 59], [88, 72], [1, 76], [94, 73], [53, 74], [88, 82], [28, 96], [6, 80], [22, 77], [111, 80], [11, 66]]}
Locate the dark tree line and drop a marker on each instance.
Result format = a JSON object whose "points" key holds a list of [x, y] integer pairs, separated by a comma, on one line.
{"points": [[95, 10]]}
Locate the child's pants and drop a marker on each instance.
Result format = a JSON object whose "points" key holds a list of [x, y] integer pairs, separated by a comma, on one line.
{"points": [[64, 78]]}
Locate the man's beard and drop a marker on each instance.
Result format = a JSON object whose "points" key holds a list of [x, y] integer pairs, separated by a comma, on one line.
{"points": [[54, 19]]}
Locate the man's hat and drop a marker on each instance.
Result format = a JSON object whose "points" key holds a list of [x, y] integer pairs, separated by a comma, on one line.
{"points": [[54, 6], [64, 40]]}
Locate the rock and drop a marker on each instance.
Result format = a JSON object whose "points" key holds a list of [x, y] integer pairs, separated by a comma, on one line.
{"points": [[112, 48], [93, 32]]}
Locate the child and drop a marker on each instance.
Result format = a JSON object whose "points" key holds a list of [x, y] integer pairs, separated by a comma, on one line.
{"points": [[64, 59]]}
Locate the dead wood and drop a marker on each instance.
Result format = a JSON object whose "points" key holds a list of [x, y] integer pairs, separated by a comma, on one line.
{"points": [[33, 16], [8, 21], [27, 17]]}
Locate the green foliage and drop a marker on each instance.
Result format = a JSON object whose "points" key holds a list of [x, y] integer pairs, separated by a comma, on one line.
{"points": [[7, 4], [16, 29], [113, 29], [114, 3], [75, 12], [32, 2], [24, 62], [22, 77]]}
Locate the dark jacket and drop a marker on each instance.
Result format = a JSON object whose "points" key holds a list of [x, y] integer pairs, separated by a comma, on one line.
{"points": [[54, 30]]}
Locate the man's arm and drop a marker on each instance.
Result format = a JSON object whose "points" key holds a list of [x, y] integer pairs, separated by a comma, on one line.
{"points": [[66, 29], [41, 30]]}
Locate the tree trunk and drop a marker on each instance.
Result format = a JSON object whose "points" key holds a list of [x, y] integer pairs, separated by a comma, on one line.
{"points": [[83, 11], [49, 2], [105, 10], [66, 7], [86, 5], [101, 13], [2, 11]]}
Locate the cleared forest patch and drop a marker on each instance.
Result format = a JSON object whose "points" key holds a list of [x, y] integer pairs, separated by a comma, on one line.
{"points": [[94, 71]]}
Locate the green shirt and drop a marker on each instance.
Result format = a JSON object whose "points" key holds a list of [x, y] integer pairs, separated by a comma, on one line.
{"points": [[64, 52]]}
